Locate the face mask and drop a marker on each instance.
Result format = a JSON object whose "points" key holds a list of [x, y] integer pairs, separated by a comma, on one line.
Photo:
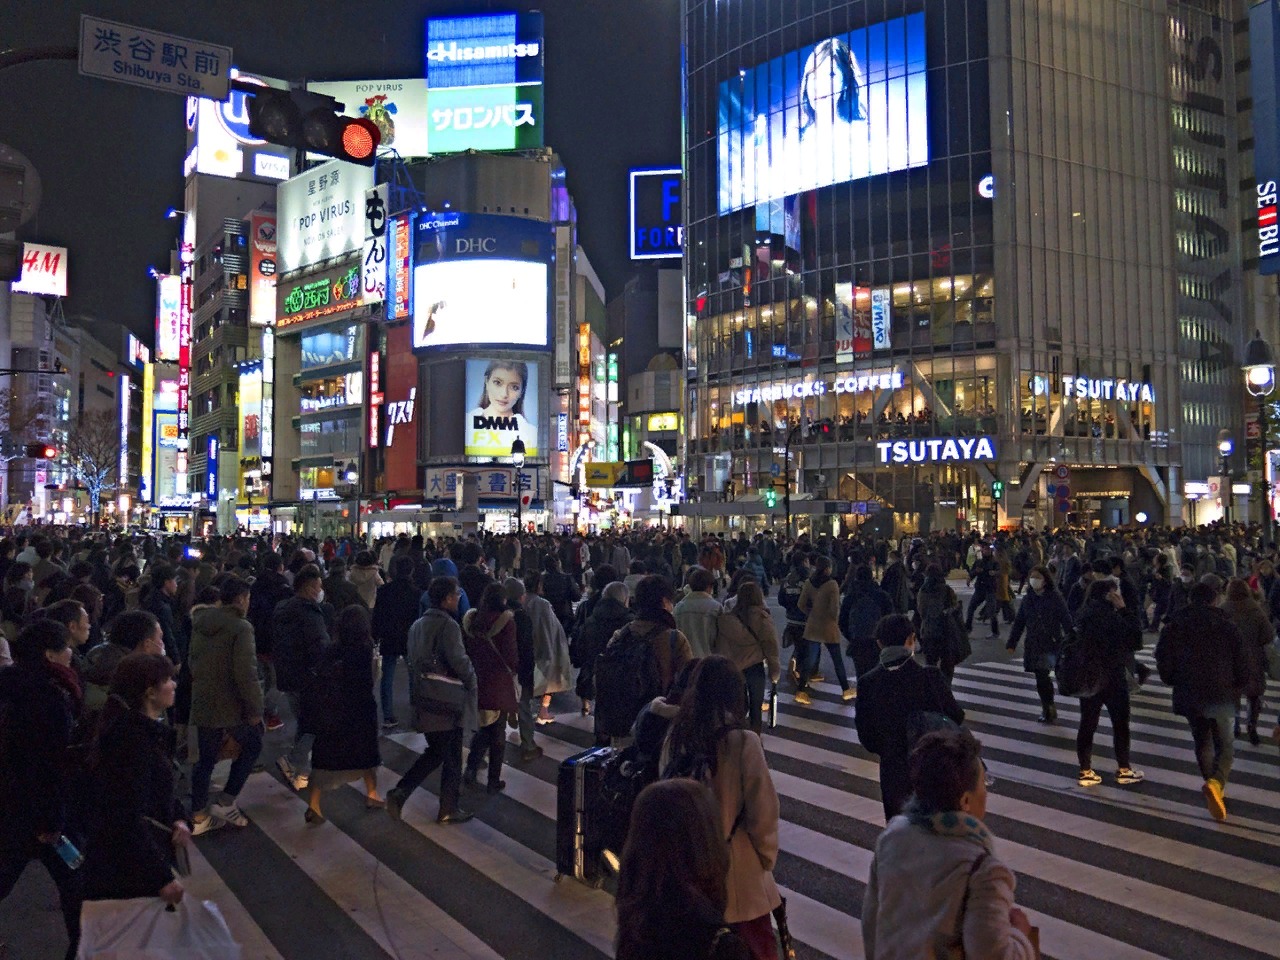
{"points": [[26, 585], [1036, 583], [320, 597], [1186, 578]]}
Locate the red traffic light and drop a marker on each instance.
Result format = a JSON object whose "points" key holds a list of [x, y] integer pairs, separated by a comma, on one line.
{"points": [[360, 139], [40, 451], [310, 121]]}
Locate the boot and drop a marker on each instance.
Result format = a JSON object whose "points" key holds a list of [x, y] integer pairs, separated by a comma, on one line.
{"points": [[183, 754]]}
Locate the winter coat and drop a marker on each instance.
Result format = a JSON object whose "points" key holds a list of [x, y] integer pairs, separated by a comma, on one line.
{"points": [[42, 714], [268, 591], [366, 580], [437, 636], [696, 616], [495, 659], [394, 612], [1044, 617], [934, 601], [561, 592], [341, 710], [99, 667], [1201, 654], [1108, 639], [444, 567], [340, 593], [608, 617], [748, 638], [1256, 631], [524, 644], [895, 584], [552, 672], [224, 669], [917, 884], [301, 632], [748, 805], [133, 777], [821, 605], [861, 610], [160, 604], [1003, 569]]}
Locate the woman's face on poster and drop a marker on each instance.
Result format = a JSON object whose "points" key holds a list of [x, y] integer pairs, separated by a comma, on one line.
{"points": [[827, 80], [504, 388]]}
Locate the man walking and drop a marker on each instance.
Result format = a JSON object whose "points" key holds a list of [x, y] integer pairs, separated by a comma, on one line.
{"points": [[436, 641], [1201, 655], [300, 626]]}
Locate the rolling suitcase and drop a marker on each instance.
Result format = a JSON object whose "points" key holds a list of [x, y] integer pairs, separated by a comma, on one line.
{"points": [[579, 834]]}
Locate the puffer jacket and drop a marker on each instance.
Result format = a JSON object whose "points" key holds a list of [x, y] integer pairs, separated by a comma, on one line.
{"points": [[224, 676]]}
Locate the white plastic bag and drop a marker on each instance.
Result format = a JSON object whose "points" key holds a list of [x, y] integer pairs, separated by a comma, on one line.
{"points": [[147, 929]]}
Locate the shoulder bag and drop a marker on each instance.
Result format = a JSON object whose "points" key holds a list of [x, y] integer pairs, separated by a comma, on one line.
{"points": [[515, 680], [439, 692], [954, 950]]}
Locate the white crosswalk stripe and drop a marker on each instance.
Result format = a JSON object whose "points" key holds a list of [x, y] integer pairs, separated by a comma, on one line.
{"points": [[1119, 872]]}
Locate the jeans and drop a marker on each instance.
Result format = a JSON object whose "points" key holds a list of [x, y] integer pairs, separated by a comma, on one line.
{"points": [[16, 852], [809, 664], [210, 741], [1115, 697], [300, 752], [754, 675], [444, 750], [493, 741], [386, 689], [1214, 735], [525, 713]]}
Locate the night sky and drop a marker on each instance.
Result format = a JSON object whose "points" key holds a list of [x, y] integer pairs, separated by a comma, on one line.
{"points": [[110, 154]]}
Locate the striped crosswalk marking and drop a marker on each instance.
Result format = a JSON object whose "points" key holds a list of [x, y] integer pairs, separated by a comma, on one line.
{"points": [[1137, 873]]}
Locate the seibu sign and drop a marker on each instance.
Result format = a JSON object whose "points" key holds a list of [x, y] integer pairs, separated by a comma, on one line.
{"points": [[859, 383], [937, 450]]}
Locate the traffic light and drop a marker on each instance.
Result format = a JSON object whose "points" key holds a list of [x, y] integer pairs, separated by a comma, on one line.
{"points": [[997, 489], [310, 121], [770, 497], [40, 451]]}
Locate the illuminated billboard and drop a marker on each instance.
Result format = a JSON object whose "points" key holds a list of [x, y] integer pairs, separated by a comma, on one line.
{"points": [[1264, 45], [320, 214], [502, 401], [481, 279], [657, 222], [219, 142], [44, 271], [398, 108], [251, 412], [262, 269], [168, 317], [399, 266], [507, 117], [850, 106]]}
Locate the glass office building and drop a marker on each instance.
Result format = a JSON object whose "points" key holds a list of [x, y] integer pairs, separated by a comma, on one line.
{"points": [[941, 261]]}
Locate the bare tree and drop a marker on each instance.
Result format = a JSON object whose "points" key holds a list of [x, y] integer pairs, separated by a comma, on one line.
{"points": [[93, 455]]}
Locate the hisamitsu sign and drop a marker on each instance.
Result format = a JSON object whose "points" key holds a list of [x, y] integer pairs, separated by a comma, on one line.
{"points": [[657, 229], [157, 61]]}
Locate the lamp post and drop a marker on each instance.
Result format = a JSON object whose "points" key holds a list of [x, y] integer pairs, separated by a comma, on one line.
{"points": [[517, 458], [1260, 380], [1225, 446]]}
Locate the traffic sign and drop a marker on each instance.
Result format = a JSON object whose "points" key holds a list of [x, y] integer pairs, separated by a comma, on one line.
{"points": [[776, 469], [1064, 506], [1053, 488], [157, 61], [1064, 492], [1062, 471]]}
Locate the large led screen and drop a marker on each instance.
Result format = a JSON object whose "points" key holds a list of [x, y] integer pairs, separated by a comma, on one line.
{"points": [[481, 280], [502, 404], [847, 107]]}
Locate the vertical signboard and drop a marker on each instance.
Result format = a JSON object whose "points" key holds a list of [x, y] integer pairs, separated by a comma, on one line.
{"points": [[168, 312], [564, 307], [1264, 47], [881, 318], [268, 397], [375, 389], [401, 443], [262, 269], [211, 468], [657, 231], [399, 267], [374, 269], [251, 413], [124, 436], [146, 471]]}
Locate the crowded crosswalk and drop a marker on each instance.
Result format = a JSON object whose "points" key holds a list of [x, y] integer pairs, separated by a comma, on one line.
{"points": [[1133, 873]]}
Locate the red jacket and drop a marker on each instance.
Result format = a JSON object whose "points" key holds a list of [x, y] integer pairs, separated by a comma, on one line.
{"points": [[495, 659]]}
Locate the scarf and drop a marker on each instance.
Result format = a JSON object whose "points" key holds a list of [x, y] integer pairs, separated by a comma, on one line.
{"points": [[819, 581], [894, 658], [952, 823], [66, 679]]}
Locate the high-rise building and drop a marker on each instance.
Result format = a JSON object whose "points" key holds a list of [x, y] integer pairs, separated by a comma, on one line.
{"points": [[935, 247]]}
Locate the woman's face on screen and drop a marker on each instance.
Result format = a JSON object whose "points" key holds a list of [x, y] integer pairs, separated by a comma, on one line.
{"points": [[828, 80], [504, 388]]}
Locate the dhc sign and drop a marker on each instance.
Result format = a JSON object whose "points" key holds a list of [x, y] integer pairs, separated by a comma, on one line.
{"points": [[657, 228], [937, 450]]}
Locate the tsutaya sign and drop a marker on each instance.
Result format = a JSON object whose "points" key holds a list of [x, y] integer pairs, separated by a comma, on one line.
{"points": [[857, 383], [1093, 388], [937, 450]]}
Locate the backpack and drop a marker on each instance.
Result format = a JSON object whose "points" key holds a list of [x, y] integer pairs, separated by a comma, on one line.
{"points": [[626, 679], [1076, 674]]}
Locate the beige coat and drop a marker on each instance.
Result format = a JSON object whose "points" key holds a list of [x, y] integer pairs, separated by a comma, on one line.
{"points": [[749, 639], [822, 605], [742, 785]]}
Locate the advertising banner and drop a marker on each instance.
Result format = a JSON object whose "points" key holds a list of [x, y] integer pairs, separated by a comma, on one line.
{"points": [[853, 321], [564, 340], [657, 229], [166, 473], [491, 483], [219, 142], [400, 456], [850, 106], [398, 108], [251, 414], [399, 267], [481, 279], [44, 271], [507, 117], [373, 288], [881, 318], [262, 269], [502, 397], [484, 50], [334, 345], [1264, 46], [211, 467], [320, 214], [332, 291], [168, 310]]}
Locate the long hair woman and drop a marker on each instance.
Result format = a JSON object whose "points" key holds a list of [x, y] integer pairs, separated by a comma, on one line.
{"points": [[671, 885], [1044, 618], [709, 741]]}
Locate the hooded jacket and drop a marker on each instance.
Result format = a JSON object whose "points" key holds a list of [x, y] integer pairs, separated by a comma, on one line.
{"points": [[224, 671], [301, 632], [444, 567], [366, 580]]}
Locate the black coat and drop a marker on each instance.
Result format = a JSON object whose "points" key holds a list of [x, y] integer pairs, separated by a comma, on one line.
{"points": [[340, 593], [894, 582], [160, 604], [301, 632], [524, 644], [1202, 655], [1045, 619], [133, 777], [268, 591], [1108, 639], [561, 592], [394, 612], [33, 756], [608, 617], [339, 707]]}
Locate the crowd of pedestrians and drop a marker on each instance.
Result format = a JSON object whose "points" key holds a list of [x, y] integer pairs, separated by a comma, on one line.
{"points": [[130, 665]]}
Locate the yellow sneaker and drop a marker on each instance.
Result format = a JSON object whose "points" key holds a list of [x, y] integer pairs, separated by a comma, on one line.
{"points": [[817, 678], [803, 698], [1214, 799], [850, 693]]}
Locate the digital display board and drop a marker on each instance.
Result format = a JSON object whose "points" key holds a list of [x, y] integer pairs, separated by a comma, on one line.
{"points": [[168, 317], [262, 269], [657, 228], [481, 279], [502, 401], [850, 106], [325, 348], [399, 266]]}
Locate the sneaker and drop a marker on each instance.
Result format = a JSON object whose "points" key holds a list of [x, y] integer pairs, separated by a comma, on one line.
{"points": [[299, 781], [545, 716], [816, 678], [1214, 799], [849, 693], [1089, 779], [1126, 776], [229, 813], [803, 698], [390, 723], [496, 786], [530, 755], [202, 825], [273, 722], [395, 802]]}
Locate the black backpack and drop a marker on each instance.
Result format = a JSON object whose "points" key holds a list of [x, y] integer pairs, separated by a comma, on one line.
{"points": [[626, 679], [625, 774]]}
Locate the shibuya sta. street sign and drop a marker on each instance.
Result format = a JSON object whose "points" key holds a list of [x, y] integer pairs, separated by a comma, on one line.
{"points": [[157, 61]]}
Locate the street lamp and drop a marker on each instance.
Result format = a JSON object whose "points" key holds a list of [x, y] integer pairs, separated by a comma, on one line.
{"points": [[517, 458], [1225, 446], [1260, 380]]}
